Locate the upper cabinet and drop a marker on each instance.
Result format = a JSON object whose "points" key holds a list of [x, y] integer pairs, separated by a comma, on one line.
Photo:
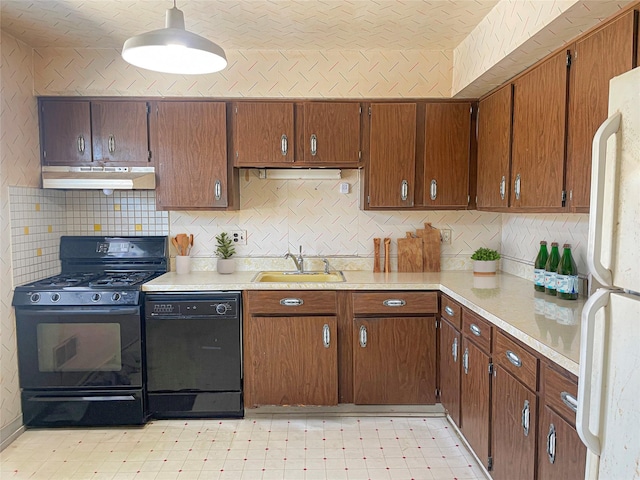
{"points": [[539, 129], [331, 133], [82, 132], [447, 140], [391, 172], [596, 59], [191, 145], [494, 150], [264, 134]]}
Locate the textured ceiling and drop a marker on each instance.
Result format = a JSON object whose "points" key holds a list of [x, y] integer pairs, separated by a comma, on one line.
{"points": [[251, 24]]}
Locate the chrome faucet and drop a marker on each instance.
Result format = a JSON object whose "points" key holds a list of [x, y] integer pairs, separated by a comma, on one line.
{"points": [[299, 261], [326, 265]]}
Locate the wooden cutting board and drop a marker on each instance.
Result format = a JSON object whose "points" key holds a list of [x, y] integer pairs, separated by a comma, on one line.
{"points": [[430, 248], [410, 254]]}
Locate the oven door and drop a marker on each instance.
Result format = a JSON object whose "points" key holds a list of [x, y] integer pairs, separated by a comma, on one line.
{"points": [[79, 347]]}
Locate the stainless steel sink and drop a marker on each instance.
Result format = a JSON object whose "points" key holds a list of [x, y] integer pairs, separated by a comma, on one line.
{"points": [[296, 277]]}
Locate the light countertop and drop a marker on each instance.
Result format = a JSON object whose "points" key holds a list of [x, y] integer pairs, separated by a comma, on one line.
{"points": [[548, 325]]}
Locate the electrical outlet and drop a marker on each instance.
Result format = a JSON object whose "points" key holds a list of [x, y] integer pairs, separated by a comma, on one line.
{"points": [[239, 237], [445, 236]]}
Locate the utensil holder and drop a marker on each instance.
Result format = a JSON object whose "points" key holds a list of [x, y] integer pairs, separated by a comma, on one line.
{"points": [[183, 264]]}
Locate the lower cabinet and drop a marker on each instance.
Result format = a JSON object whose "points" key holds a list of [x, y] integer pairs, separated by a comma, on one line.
{"points": [[394, 360], [514, 428], [449, 359], [561, 453]]}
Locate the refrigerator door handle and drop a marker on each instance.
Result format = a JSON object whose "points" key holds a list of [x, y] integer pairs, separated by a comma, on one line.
{"points": [[585, 380], [599, 161]]}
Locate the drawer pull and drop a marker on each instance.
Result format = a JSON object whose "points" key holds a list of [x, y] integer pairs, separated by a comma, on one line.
{"points": [[80, 143], [404, 191], [475, 329], [291, 302], [551, 443], [284, 145], [326, 336], [454, 350], [392, 302], [363, 336], [465, 361], [525, 418], [111, 143], [513, 358], [569, 400], [449, 311], [217, 190], [314, 144]]}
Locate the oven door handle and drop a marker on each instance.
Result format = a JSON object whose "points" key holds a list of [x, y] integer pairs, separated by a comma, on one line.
{"points": [[97, 398], [88, 310]]}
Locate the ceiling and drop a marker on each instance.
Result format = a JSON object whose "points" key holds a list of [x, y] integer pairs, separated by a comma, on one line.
{"points": [[251, 24]]}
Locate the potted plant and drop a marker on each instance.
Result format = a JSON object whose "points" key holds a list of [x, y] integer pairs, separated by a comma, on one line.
{"points": [[225, 250], [485, 261]]}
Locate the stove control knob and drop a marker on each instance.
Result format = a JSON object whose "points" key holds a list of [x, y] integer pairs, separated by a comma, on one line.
{"points": [[221, 309], [55, 297], [35, 297], [115, 297], [95, 297]]}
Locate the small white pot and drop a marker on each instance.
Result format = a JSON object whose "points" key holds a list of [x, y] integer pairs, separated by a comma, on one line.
{"points": [[485, 267], [226, 265]]}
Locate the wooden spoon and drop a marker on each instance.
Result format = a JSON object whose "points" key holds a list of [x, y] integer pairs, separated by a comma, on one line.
{"points": [[175, 243]]}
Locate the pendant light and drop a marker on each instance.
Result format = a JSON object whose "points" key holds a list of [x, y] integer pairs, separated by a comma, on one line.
{"points": [[173, 49]]}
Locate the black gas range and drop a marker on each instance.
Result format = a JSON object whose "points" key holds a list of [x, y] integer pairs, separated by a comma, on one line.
{"points": [[79, 333]]}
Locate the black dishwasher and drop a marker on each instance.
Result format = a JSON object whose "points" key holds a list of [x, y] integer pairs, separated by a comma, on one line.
{"points": [[194, 354]]}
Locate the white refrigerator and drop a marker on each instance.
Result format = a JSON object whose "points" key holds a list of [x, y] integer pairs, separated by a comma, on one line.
{"points": [[608, 416]]}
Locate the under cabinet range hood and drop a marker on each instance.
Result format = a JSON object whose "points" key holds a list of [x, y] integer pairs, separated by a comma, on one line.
{"points": [[99, 178]]}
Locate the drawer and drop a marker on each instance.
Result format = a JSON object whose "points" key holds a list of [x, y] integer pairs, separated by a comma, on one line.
{"points": [[561, 394], [291, 302], [394, 303], [514, 358], [477, 330], [451, 311]]}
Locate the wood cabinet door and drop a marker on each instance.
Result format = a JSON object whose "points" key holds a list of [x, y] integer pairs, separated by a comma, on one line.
{"points": [[539, 120], [263, 133], [446, 169], [392, 155], [494, 150], [596, 59], [331, 133], [65, 133], [475, 395], [394, 361], [192, 155], [291, 361], [120, 132], [449, 361], [514, 427], [561, 453]]}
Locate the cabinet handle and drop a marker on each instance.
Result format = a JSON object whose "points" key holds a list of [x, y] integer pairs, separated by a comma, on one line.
{"points": [[404, 191], [525, 418], [112, 143], [81, 143], [326, 336], [465, 361], [569, 400], [434, 189], [314, 144], [454, 350], [513, 358], [475, 329], [503, 187], [551, 443], [291, 302], [517, 186], [394, 302], [449, 311], [363, 336], [284, 145], [217, 190]]}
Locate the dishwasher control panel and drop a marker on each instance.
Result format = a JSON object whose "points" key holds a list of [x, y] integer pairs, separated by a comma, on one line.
{"points": [[188, 307]]}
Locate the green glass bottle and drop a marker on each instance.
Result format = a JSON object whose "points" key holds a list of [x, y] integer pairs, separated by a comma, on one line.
{"points": [[538, 267], [550, 270], [567, 275]]}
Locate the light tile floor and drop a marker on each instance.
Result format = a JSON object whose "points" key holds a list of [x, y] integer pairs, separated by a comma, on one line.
{"points": [[258, 448]]}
